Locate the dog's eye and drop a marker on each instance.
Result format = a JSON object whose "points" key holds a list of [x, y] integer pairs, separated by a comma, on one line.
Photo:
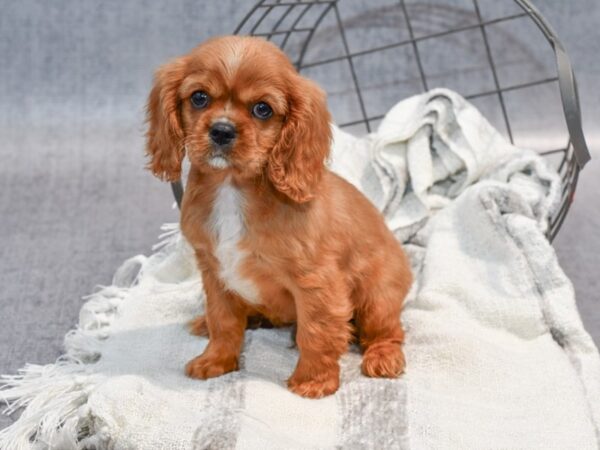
{"points": [[262, 111], [199, 99]]}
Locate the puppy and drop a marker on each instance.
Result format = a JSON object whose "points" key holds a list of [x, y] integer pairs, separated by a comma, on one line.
{"points": [[276, 235]]}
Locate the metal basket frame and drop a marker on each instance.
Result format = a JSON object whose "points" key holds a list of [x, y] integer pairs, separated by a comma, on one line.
{"points": [[575, 153]]}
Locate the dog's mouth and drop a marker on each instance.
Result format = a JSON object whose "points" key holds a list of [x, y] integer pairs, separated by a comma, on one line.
{"points": [[218, 160]]}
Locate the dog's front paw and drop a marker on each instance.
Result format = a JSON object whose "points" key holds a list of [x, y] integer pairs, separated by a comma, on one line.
{"points": [[317, 387], [383, 360], [206, 366]]}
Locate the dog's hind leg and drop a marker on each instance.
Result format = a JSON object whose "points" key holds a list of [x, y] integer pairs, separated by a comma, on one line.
{"points": [[199, 327], [379, 328]]}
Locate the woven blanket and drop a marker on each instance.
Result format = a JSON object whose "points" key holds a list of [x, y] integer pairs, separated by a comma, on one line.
{"points": [[496, 353]]}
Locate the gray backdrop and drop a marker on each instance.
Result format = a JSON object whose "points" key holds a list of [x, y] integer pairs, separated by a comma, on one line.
{"points": [[74, 198]]}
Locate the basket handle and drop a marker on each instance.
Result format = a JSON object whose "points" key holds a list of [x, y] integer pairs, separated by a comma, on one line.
{"points": [[566, 82]]}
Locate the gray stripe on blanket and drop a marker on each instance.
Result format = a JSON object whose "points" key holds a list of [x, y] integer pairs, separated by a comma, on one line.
{"points": [[373, 411], [225, 400]]}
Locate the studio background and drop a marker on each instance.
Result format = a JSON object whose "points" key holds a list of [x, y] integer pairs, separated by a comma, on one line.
{"points": [[75, 200]]}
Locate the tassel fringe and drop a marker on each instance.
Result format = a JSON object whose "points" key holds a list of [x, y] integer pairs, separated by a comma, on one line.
{"points": [[53, 398]]}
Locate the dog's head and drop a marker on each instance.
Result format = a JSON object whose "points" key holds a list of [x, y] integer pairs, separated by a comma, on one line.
{"points": [[237, 104]]}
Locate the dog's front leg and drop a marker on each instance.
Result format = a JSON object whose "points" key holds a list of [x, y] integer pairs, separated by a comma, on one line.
{"points": [[323, 333], [226, 318]]}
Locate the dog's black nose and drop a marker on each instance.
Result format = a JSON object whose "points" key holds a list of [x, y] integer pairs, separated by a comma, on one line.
{"points": [[222, 133]]}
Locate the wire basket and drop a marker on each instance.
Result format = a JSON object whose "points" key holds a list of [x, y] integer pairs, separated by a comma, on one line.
{"points": [[368, 55]]}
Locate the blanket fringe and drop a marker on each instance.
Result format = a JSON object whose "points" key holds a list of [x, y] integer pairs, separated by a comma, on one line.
{"points": [[53, 398]]}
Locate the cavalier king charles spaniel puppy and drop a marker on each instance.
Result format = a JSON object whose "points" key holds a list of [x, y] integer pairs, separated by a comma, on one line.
{"points": [[275, 233]]}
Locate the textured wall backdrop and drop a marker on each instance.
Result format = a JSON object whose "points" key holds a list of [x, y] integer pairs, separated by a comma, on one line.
{"points": [[74, 198]]}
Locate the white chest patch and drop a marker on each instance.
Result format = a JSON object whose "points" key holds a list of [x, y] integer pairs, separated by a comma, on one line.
{"points": [[227, 224]]}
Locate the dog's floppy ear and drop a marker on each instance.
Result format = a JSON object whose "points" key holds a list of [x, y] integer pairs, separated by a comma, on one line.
{"points": [[164, 144], [297, 160]]}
